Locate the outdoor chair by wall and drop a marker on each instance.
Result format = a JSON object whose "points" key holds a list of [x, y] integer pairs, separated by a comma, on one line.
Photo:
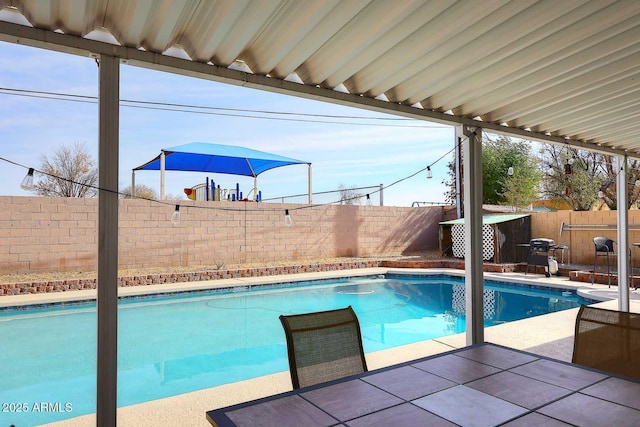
{"points": [[603, 247], [608, 340], [323, 346]]}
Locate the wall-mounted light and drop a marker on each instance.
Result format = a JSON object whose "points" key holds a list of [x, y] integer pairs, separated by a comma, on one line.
{"points": [[175, 218], [287, 218], [27, 181]]}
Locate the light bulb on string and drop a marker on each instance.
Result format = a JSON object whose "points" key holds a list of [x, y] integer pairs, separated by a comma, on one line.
{"points": [[27, 181], [637, 183], [175, 218], [571, 160], [600, 194], [429, 173], [287, 218], [368, 200], [510, 171]]}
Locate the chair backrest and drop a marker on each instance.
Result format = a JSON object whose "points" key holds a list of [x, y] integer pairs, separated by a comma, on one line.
{"points": [[608, 340], [323, 346], [603, 244]]}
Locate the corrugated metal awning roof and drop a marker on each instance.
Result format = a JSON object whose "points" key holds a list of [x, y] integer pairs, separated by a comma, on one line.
{"points": [[565, 71]]}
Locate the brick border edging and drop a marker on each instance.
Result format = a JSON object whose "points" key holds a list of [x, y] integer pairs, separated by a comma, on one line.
{"points": [[161, 278]]}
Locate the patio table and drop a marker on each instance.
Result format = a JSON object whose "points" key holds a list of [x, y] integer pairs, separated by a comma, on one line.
{"points": [[479, 385]]}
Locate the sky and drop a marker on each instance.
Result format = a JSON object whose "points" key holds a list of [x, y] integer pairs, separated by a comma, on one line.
{"points": [[344, 151]]}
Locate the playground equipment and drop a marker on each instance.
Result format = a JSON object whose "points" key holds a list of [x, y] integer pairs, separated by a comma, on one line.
{"points": [[208, 191]]}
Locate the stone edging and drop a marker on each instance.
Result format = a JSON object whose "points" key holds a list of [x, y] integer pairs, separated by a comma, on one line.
{"points": [[156, 279]]}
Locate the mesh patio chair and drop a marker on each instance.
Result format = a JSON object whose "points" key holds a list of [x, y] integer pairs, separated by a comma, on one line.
{"points": [[323, 346], [608, 340], [603, 247]]}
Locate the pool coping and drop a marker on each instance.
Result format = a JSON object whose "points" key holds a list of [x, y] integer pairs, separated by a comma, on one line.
{"points": [[594, 292]]}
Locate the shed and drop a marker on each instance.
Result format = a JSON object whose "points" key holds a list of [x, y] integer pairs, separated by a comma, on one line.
{"points": [[501, 235]]}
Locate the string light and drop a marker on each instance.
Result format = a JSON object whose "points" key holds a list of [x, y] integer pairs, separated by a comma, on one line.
{"points": [[510, 171], [287, 218], [27, 184], [27, 181], [175, 218]]}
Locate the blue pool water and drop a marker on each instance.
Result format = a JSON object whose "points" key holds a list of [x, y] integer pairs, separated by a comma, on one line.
{"points": [[175, 344]]}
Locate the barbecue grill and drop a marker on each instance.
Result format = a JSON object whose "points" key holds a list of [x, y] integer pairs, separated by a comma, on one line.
{"points": [[542, 253]]}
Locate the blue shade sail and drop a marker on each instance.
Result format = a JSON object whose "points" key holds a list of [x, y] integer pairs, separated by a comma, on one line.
{"points": [[218, 158]]}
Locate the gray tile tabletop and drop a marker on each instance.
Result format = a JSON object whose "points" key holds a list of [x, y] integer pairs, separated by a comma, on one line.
{"points": [[572, 377], [477, 386], [350, 399], [290, 411], [408, 382], [456, 368], [468, 407], [582, 410]]}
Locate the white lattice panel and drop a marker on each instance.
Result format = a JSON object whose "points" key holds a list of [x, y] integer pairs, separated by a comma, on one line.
{"points": [[488, 301], [457, 237]]}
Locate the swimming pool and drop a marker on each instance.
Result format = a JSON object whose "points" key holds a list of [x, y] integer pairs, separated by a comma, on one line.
{"points": [[173, 344]]}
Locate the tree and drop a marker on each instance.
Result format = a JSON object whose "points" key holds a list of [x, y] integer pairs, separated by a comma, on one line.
{"points": [[142, 191], [349, 196], [450, 182], [498, 157], [610, 183], [590, 177], [521, 187], [69, 172]]}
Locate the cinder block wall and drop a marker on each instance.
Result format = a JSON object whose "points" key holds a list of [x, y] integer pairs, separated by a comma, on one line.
{"points": [[60, 234]]}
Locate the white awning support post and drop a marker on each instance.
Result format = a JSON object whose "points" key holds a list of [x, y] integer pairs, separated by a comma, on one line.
{"points": [[623, 235], [458, 135], [107, 288], [474, 286]]}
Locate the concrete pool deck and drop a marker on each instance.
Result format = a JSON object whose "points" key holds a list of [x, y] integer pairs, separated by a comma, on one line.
{"points": [[550, 335]]}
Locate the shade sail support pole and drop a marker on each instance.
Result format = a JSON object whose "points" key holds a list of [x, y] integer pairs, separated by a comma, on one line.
{"points": [[133, 184], [107, 287], [309, 181], [473, 277], [255, 188], [163, 163]]}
